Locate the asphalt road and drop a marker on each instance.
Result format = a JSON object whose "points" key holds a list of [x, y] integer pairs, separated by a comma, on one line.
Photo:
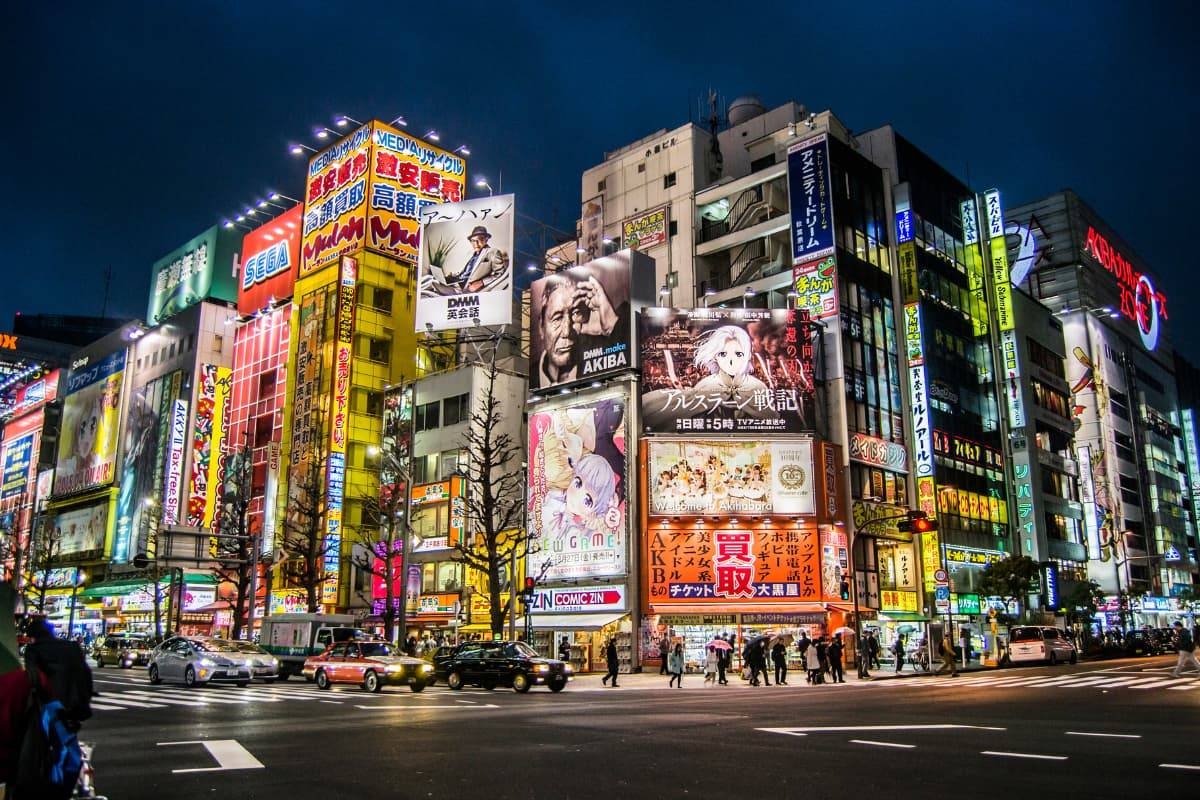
{"points": [[1091, 730]]}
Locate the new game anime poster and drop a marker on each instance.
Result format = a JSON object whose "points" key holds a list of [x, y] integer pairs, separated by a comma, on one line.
{"points": [[577, 489], [718, 370]]}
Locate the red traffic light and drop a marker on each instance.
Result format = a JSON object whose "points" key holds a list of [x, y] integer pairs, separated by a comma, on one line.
{"points": [[917, 522], [529, 584]]}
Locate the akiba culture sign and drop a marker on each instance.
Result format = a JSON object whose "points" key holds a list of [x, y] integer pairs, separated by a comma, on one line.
{"points": [[1140, 301]]}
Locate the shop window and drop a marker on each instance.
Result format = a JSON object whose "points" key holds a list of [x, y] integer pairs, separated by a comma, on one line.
{"points": [[374, 403], [429, 577], [266, 385], [668, 180], [456, 409], [451, 461], [449, 576]]}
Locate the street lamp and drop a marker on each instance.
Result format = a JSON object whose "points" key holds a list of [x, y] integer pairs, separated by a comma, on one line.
{"points": [[709, 292], [462, 149], [298, 149], [341, 120], [481, 183], [432, 135]]}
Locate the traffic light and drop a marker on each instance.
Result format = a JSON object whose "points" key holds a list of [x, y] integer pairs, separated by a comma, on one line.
{"points": [[527, 592], [917, 522]]}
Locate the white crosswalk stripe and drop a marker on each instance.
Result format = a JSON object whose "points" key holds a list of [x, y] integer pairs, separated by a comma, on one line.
{"points": [[130, 692], [1103, 679]]}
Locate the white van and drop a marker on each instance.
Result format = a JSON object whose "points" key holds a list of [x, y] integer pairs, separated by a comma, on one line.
{"points": [[1040, 643]]}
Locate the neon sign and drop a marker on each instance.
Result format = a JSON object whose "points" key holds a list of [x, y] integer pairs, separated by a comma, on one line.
{"points": [[1140, 301]]}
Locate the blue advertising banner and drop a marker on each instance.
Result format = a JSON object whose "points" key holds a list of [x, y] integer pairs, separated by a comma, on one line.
{"points": [[814, 262], [17, 456]]}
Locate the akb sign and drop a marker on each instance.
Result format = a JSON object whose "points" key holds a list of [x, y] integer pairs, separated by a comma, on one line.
{"points": [[1140, 301]]}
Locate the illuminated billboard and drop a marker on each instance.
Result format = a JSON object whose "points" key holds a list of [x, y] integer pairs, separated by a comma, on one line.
{"points": [[270, 261], [208, 433], [465, 275], [339, 423], [814, 258], [87, 443], [439, 515], [577, 489], [716, 478], [643, 231], [726, 371], [81, 530], [368, 190], [581, 319], [201, 268], [21, 439]]}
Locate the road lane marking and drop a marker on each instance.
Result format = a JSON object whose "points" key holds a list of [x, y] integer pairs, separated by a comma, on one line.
{"points": [[1192, 685], [164, 694], [228, 754], [882, 744], [102, 707], [847, 728], [1107, 735], [331, 702], [1180, 766], [1155, 684], [1004, 754], [426, 708], [112, 697], [154, 698]]}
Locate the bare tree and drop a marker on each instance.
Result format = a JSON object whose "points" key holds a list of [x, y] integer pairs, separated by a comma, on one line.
{"points": [[45, 550], [385, 525], [307, 506], [493, 535], [234, 546]]}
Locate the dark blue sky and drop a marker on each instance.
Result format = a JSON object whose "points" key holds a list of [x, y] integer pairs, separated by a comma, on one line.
{"points": [[133, 126]]}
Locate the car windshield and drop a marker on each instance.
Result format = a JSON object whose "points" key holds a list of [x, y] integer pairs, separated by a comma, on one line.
{"points": [[523, 649], [377, 649], [215, 645], [1026, 634], [247, 647]]}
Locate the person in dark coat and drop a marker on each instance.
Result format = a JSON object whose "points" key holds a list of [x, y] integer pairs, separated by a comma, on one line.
{"points": [[834, 654], [614, 663], [822, 658], [58, 671], [14, 706], [664, 649], [779, 659], [723, 659]]}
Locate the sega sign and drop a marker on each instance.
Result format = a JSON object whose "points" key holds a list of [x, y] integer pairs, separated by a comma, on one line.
{"points": [[591, 598], [270, 261]]}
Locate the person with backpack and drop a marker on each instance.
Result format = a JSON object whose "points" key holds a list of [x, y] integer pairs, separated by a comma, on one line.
{"points": [[1184, 649], [898, 651]]}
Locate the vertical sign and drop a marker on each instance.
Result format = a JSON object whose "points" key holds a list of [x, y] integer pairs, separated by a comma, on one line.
{"points": [[339, 417], [1087, 499], [969, 215], [814, 260], [266, 544], [907, 252], [998, 247], [177, 439], [1193, 466]]}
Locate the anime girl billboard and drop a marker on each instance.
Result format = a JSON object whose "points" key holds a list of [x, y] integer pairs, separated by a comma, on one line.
{"points": [[577, 492]]}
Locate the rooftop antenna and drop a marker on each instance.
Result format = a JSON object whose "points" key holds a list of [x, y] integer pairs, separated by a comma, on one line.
{"points": [[713, 121]]}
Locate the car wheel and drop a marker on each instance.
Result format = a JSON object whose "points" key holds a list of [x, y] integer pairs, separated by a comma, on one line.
{"points": [[558, 684], [1053, 658], [189, 677], [322, 679], [489, 685], [454, 681], [417, 686], [371, 682], [521, 683], [152, 674], [1074, 656], [243, 684], [99, 661], [283, 676]]}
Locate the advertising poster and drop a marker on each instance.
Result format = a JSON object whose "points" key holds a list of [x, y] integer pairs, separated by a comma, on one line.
{"points": [[87, 443], [308, 423], [396, 441], [581, 319], [577, 490], [201, 268], [835, 564], [270, 261], [465, 270], [176, 443], [760, 566], [339, 421], [591, 226], [646, 230], [814, 260], [726, 371], [82, 530], [141, 461], [208, 432], [438, 516], [701, 478], [335, 219], [407, 175], [35, 394], [21, 440]]}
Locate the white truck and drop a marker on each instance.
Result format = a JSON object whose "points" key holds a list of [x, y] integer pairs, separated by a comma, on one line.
{"points": [[292, 638]]}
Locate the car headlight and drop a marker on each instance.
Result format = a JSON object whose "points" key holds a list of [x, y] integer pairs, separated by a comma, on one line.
{"points": [[207, 662], [543, 668], [394, 668], [568, 668], [427, 668], [274, 662]]}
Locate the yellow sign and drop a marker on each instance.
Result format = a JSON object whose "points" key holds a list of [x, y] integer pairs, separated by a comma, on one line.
{"points": [[1001, 286], [897, 601], [931, 557]]}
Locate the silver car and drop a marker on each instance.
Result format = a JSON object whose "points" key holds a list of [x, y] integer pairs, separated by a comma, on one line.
{"points": [[197, 660]]}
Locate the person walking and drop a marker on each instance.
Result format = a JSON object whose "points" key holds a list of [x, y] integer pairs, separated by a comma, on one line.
{"points": [[711, 664], [675, 666], [664, 649], [873, 650], [964, 641], [862, 656], [763, 655], [614, 662], [835, 659], [779, 659], [564, 649], [724, 657], [949, 662], [898, 651], [1184, 650]]}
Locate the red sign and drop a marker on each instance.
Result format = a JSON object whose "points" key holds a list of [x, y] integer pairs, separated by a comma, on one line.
{"points": [[1140, 301], [270, 261], [378, 587]]}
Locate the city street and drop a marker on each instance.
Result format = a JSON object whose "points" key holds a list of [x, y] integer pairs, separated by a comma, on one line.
{"points": [[1103, 729]]}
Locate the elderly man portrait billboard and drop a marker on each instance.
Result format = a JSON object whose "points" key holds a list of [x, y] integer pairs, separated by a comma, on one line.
{"points": [[577, 492], [581, 319], [726, 370], [465, 265]]}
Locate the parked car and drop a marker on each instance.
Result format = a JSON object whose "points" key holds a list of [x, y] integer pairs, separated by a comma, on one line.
{"points": [[1139, 643], [369, 664], [197, 660], [124, 650], [1164, 640], [1029, 643], [515, 664]]}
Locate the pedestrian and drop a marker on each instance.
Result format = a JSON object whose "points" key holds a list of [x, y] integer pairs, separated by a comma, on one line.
{"points": [[823, 657], [1184, 650], [675, 666], [750, 663], [664, 648], [862, 655], [898, 651], [614, 662], [779, 658], [873, 650], [724, 657], [964, 641], [564, 649], [711, 664], [835, 659], [812, 662], [949, 662]]}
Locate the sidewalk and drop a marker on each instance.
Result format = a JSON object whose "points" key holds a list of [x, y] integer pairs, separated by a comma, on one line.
{"points": [[650, 679]]}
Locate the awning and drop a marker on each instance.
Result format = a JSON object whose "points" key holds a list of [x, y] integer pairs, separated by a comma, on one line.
{"points": [[572, 622], [121, 588], [902, 616]]}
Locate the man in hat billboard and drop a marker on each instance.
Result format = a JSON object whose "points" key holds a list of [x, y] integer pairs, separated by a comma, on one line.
{"points": [[485, 265]]}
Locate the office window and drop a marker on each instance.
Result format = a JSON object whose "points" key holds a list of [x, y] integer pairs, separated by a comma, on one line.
{"points": [[673, 228], [379, 350], [374, 405], [601, 185], [428, 416], [668, 180], [456, 409], [451, 460], [382, 300], [218, 343], [642, 167], [266, 385]]}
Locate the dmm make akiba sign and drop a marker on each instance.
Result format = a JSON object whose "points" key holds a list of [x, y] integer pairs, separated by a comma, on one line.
{"points": [[593, 598]]}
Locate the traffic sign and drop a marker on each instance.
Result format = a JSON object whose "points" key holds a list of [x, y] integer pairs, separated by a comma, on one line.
{"points": [[940, 576], [942, 593]]}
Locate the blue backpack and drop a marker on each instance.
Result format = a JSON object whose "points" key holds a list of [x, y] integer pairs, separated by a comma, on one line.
{"points": [[51, 759]]}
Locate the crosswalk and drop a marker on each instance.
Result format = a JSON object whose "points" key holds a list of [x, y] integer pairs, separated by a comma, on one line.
{"points": [[131, 691], [1142, 680]]}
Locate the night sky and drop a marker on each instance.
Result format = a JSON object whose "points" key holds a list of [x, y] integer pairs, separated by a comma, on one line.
{"points": [[130, 127]]}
